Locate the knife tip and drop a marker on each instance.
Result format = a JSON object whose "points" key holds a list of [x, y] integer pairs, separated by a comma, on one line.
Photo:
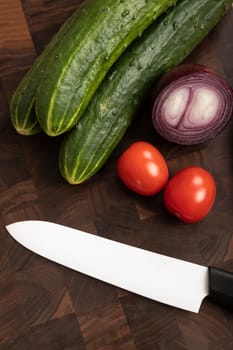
{"points": [[10, 228]]}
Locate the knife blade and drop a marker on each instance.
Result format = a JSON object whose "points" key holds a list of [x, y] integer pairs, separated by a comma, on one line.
{"points": [[158, 277]]}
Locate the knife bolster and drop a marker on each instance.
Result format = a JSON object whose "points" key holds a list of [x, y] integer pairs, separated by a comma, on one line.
{"points": [[221, 287]]}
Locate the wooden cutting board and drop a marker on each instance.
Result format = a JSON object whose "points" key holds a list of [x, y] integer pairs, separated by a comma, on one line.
{"points": [[44, 306]]}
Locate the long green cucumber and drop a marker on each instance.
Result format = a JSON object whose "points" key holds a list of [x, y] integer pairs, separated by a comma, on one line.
{"points": [[22, 106], [101, 33], [164, 45]]}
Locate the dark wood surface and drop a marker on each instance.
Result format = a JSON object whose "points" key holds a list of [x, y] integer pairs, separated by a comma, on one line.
{"points": [[44, 306]]}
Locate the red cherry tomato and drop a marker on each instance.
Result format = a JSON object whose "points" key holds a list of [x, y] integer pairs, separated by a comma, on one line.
{"points": [[190, 194], [143, 169]]}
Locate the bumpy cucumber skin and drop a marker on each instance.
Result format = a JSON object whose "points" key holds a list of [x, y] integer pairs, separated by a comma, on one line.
{"points": [[22, 107], [164, 45], [101, 33]]}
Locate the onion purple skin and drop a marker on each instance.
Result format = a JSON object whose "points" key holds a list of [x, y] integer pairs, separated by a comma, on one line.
{"points": [[192, 105]]}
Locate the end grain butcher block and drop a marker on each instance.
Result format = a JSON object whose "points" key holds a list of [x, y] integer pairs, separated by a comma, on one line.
{"points": [[46, 306]]}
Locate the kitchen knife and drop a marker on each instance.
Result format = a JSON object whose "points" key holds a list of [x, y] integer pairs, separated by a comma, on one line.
{"points": [[165, 279]]}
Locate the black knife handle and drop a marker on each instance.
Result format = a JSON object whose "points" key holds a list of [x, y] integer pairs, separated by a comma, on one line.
{"points": [[221, 287]]}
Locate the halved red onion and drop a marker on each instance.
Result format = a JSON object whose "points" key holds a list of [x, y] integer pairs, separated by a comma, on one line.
{"points": [[194, 107]]}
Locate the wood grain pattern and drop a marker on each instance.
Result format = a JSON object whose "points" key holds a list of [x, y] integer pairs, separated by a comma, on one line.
{"points": [[46, 306]]}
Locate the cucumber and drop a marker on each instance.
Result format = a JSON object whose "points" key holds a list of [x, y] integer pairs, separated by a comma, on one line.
{"points": [[164, 45], [22, 107], [102, 31]]}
